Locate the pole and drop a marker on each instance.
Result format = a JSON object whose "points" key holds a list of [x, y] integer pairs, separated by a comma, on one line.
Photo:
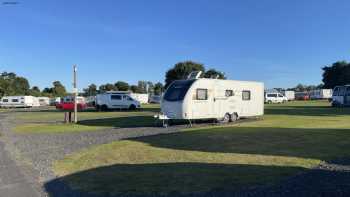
{"points": [[75, 94]]}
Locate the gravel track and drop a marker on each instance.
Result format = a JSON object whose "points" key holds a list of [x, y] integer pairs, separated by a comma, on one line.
{"points": [[40, 150]]}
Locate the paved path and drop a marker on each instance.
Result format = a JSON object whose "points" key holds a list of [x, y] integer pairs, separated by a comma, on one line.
{"points": [[13, 182]]}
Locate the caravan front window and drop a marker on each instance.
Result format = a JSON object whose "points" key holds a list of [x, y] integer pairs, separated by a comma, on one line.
{"points": [[5, 100], [178, 90]]}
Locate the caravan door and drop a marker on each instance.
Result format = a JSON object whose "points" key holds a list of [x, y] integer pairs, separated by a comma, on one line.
{"points": [[219, 101], [225, 101]]}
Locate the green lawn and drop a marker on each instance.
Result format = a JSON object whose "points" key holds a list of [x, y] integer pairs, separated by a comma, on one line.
{"points": [[51, 121], [290, 139]]}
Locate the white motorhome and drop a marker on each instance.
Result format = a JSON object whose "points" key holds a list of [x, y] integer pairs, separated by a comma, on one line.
{"points": [[321, 94], [275, 97], [19, 101], [116, 100], [44, 101], [341, 96], [290, 94], [223, 100]]}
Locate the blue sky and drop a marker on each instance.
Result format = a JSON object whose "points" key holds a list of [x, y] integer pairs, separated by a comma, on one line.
{"points": [[281, 43]]}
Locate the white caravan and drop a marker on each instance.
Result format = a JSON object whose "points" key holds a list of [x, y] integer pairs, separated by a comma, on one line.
{"points": [[321, 94], [19, 101], [275, 98], [116, 100], [341, 96], [142, 98], [44, 101], [223, 100], [290, 94]]}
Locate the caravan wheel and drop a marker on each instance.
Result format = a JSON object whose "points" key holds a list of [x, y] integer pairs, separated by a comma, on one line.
{"points": [[234, 117], [226, 118]]}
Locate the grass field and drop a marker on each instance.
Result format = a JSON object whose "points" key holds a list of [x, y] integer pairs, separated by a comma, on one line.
{"points": [[51, 121], [290, 139]]}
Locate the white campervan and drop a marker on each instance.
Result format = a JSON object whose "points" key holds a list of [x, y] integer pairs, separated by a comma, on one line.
{"points": [[275, 97], [223, 100], [116, 100], [19, 101]]}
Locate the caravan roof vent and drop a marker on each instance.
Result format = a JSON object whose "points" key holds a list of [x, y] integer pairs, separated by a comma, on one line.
{"points": [[194, 75]]}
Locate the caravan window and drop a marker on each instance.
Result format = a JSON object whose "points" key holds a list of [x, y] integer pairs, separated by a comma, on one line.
{"points": [[271, 95], [177, 90], [15, 100], [202, 94], [228, 93], [5, 100], [116, 97], [246, 95]]}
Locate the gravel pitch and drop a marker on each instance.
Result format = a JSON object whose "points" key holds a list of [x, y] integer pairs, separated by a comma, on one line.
{"points": [[40, 150]]}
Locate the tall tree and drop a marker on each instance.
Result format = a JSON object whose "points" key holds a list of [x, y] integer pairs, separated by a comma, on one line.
{"points": [[336, 74], [181, 70], [134, 89], [11, 84], [122, 86], [107, 87], [91, 90], [158, 88], [58, 89], [212, 73], [35, 91]]}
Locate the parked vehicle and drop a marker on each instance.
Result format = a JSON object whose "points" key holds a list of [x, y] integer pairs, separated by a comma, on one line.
{"points": [[67, 103], [55, 101], [302, 96], [19, 101], [223, 100], [91, 101], [116, 100], [142, 98], [321, 94], [290, 94], [341, 96], [44, 101], [155, 99], [275, 98]]}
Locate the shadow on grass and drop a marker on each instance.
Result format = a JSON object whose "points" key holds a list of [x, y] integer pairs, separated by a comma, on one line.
{"points": [[322, 144], [135, 122], [121, 122], [176, 179]]}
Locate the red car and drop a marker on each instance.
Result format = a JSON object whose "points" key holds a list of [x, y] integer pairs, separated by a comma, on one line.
{"points": [[67, 103], [302, 96]]}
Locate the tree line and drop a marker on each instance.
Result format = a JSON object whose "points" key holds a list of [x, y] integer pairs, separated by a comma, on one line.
{"points": [[142, 87], [10, 84]]}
